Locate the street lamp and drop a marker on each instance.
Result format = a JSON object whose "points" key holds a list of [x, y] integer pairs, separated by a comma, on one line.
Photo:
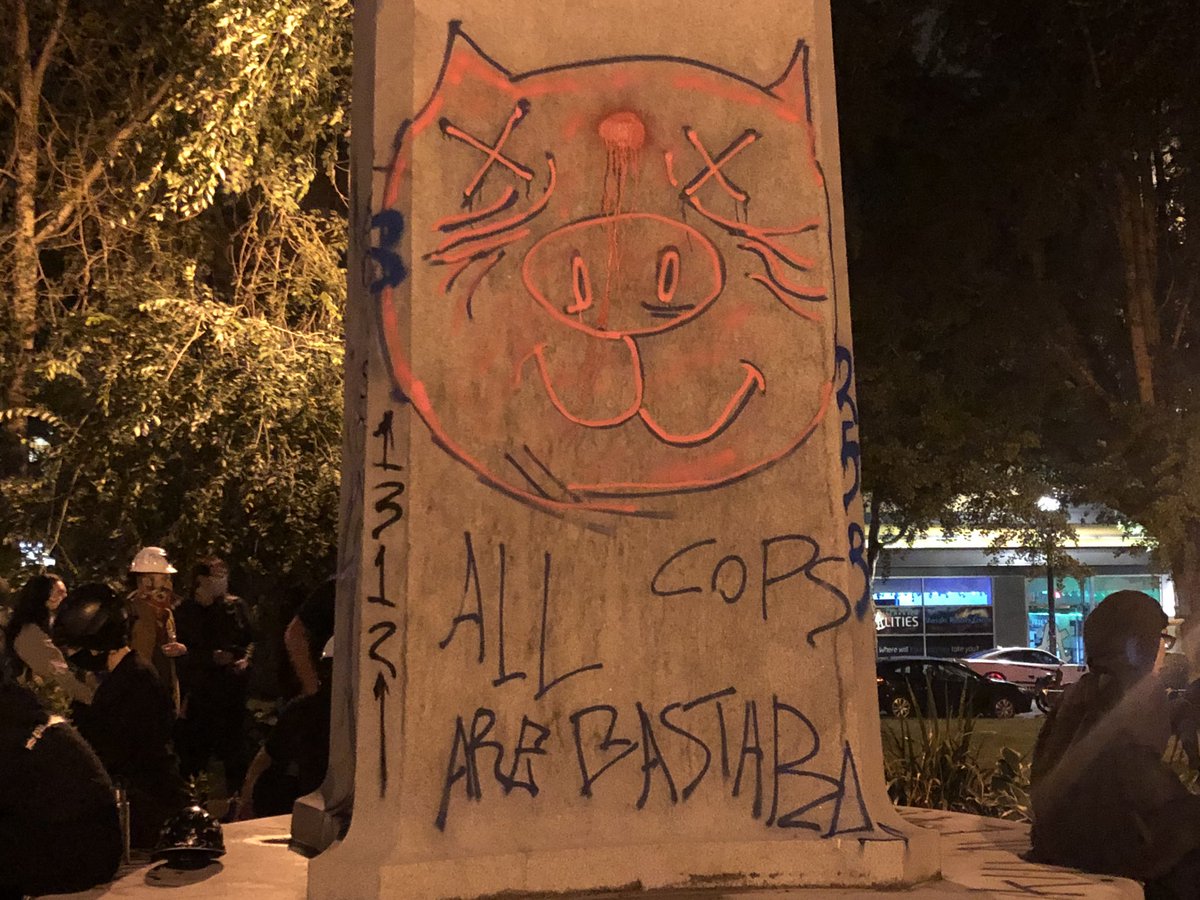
{"points": [[1050, 504]]}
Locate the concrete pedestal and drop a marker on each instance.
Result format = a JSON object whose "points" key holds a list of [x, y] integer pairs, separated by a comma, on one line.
{"points": [[603, 544]]}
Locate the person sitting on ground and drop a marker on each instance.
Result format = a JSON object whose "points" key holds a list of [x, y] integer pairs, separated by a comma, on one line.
{"points": [[215, 626], [294, 758], [153, 600], [130, 719], [308, 633], [59, 830], [28, 634], [1103, 799]]}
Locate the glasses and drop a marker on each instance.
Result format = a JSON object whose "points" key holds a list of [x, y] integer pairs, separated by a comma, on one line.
{"points": [[1168, 640]]}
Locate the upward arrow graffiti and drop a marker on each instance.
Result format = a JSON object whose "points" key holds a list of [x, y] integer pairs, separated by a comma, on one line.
{"points": [[380, 691]]}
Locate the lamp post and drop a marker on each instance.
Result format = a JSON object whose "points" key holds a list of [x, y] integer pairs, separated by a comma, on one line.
{"points": [[1050, 504]]}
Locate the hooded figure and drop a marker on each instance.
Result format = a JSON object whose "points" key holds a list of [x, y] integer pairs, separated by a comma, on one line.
{"points": [[1103, 799], [59, 830]]}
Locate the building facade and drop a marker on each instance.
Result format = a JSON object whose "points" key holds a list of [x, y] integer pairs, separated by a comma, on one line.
{"points": [[947, 596]]}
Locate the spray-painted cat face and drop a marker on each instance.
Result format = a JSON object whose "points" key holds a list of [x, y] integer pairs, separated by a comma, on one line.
{"points": [[621, 284]]}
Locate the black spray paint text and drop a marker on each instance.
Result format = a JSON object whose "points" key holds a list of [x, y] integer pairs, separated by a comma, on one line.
{"points": [[760, 751]]}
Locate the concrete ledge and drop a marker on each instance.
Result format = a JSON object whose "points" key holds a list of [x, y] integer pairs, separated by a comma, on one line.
{"points": [[979, 860]]}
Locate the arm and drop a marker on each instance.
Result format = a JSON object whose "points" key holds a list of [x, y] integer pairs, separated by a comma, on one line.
{"points": [[299, 651], [45, 660]]}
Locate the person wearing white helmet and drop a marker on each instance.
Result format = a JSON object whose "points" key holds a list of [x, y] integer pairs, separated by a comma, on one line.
{"points": [[153, 600]]}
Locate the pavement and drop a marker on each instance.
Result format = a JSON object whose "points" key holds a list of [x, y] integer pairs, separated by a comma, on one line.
{"points": [[980, 860]]}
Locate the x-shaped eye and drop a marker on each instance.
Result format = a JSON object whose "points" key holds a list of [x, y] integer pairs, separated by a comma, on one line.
{"points": [[492, 151], [712, 167]]}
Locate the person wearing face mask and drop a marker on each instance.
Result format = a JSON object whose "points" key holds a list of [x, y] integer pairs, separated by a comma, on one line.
{"points": [[215, 626], [28, 634], [130, 719], [153, 601]]}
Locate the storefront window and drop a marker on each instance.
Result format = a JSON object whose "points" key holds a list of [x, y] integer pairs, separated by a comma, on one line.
{"points": [[945, 616], [897, 592], [966, 591], [1073, 600]]}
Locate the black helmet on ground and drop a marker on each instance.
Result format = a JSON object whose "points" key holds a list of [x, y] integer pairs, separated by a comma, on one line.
{"points": [[94, 621], [190, 839]]}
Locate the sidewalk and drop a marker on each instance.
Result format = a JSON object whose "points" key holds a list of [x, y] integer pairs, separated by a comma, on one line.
{"points": [[979, 860]]}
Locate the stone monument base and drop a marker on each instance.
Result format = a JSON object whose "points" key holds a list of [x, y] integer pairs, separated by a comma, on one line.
{"points": [[656, 867], [980, 860]]}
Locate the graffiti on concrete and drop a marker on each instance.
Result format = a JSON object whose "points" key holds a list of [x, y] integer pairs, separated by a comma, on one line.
{"points": [[629, 287]]}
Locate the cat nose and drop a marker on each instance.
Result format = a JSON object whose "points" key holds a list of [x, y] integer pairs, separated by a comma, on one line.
{"points": [[628, 274]]}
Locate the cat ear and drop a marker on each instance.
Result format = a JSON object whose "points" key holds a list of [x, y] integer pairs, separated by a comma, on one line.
{"points": [[792, 86], [466, 61]]}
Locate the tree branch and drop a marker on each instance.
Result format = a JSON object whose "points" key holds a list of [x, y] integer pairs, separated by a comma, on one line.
{"points": [[70, 205], [43, 63]]}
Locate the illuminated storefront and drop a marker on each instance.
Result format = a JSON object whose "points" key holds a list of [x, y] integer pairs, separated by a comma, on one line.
{"points": [[948, 597], [936, 616], [1072, 602]]}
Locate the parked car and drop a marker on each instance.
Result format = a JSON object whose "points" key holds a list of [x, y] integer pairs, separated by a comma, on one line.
{"points": [[1022, 666], [929, 685]]}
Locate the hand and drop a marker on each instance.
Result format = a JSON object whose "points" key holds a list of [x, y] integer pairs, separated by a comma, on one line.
{"points": [[174, 649], [222, 657], [241, 665]]}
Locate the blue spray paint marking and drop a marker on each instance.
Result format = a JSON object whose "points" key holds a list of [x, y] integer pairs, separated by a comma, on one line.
{"points": [[392, 270], [858, 559], [850, 448], [851, 456]]}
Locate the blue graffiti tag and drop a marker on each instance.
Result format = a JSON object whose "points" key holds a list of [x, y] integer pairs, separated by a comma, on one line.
{"points": [[851, 456], [392, 271]]}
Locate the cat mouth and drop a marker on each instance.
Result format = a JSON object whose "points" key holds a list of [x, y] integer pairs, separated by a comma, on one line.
{"points": [[662, 311]]}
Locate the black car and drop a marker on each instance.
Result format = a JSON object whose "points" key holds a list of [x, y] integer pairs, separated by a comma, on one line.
{"points": [[940, 687]]}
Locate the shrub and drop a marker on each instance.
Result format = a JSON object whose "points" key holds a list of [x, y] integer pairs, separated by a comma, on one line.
{"points": [[933, 763]]}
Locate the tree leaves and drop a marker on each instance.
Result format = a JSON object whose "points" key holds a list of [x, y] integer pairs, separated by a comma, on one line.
{"points": [[189, 252]]}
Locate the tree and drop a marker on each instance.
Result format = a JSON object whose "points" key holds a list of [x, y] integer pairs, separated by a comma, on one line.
{"points": [[1061, 139], [941, 446], [172, 233]]}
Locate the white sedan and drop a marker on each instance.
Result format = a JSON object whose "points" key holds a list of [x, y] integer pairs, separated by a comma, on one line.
{"points": [[1021, 666]]}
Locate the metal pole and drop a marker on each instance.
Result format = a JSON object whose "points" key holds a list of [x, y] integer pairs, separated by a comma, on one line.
{"points": [[1051, 619]]}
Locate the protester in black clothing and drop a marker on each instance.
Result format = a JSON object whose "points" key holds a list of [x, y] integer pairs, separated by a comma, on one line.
{"points": [[59, 830], [131, 716], [294, 758], [309, 632], [215, 626], [1103, 799]]}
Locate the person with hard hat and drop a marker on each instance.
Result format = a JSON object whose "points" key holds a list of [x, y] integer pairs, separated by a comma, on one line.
{"points": [[153, 601], [131, 717]]}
